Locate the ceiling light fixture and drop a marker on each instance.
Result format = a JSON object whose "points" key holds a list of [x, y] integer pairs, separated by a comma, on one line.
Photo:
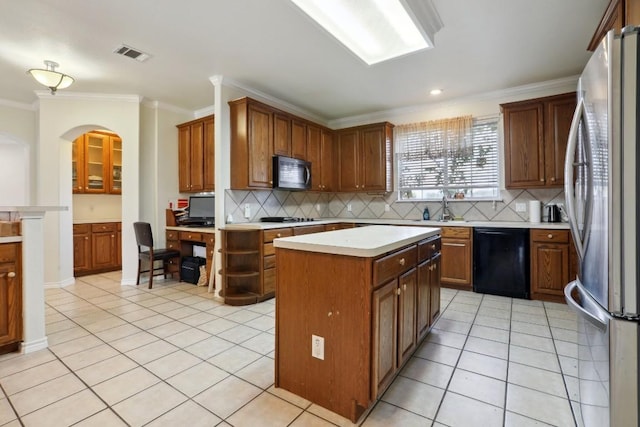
{"points": [[436, 91], [51, 78], [376, 30]]}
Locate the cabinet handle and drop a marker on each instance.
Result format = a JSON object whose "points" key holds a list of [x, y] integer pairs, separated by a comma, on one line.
{"points": [[553, 179], [86, 238], [112, 236], [398, 291], [433, 247], [11, 274], [541, 179], [278, 235], [402, 261], [404, 287], [550, 236]]}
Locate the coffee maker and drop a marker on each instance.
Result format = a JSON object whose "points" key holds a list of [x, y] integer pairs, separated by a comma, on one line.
{"points": [[553, 213]]}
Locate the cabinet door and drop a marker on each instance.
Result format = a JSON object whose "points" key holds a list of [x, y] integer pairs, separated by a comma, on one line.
{"points": [[423, 306], [559, 113], [209, 155], [103, 250], [96, 162], [115, 165], [314, 155], [524, 146], [260, 146], [434, 287], [549, 268], [81, 253], [196, 158], [407, 287], [348, 160], [281, 135], [184, 159], [10, 295], [298, 140], [373, 165], [385, 317], [326, 160], [457, 262], [78, 165]]}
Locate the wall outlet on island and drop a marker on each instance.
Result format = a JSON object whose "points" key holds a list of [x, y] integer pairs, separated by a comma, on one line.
{"points": [[317, 347]]}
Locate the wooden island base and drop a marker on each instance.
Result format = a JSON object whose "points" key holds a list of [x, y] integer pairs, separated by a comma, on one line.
{"points": [[370, 311]]}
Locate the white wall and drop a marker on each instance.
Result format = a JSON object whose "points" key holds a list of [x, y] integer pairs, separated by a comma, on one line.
{"points": [[63, 118], [18, 125], [97, 207]]}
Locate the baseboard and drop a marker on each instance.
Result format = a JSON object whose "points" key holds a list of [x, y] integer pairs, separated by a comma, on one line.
{"points": [[62, 284], [30, 347]]}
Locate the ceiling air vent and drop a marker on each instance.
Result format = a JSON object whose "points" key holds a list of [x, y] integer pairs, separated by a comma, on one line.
{"points": [[131, 53]]}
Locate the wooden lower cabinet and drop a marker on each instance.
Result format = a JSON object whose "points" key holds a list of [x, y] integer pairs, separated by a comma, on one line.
{"points": [[10, 296], [457, 257], [368, 315], [550, 264], [96, 248]]}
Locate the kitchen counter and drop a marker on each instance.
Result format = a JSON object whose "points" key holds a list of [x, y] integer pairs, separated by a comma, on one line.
{"points": [[363, 242], [210, 230], [407, 222], [95, 221]]}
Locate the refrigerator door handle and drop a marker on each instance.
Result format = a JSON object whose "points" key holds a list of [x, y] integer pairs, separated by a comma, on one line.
{"points": [[569, 189], [587, 308]]}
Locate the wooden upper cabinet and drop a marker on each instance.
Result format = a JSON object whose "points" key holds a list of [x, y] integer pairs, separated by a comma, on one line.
{"points": [[617, 15], [96, 163], [298, 139], [364, 158], [196, 155], [320, 154], [260, 146], [535, 140], [327, 160], [281, 135]]}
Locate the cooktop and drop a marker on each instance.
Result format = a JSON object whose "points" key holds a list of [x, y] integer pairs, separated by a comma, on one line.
{"points": [[284, 219]]}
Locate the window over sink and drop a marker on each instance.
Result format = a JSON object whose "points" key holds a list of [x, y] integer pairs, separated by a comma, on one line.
{"points": [[456, 158]]}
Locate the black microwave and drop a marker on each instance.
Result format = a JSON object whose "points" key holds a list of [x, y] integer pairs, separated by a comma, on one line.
{"points": [[291, 174]]}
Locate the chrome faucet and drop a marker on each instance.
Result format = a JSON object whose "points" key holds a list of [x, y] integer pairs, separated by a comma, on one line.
{"points": [[447, 215]]}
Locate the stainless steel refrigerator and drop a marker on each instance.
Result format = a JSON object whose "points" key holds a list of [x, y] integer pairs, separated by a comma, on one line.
{"points": [[602, 190]]}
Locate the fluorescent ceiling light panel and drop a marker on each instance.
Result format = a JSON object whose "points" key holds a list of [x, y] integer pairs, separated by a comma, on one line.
{"points": [[375, 30]]}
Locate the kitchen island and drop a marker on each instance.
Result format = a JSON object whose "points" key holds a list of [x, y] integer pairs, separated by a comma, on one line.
{"points": [[351, 307]]}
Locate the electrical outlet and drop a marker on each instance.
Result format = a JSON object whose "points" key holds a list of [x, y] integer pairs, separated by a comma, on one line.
{"points": [[317, 347], [387, 208], [318, 207], [521, 207], [247, 210], [349, 207]]}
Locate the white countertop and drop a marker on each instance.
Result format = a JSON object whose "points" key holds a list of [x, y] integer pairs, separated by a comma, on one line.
{"points": [[33, 208], [410, 222], [10, 239], [366, 242], [94, 221]]}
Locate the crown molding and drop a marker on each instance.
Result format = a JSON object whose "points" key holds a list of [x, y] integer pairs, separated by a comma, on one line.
{"points": [[268, 99], [87, 96], [158, 105], [19, 105], [560, 84]]}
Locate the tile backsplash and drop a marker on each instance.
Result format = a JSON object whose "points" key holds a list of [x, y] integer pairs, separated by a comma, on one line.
{"points": [[385, 206]]}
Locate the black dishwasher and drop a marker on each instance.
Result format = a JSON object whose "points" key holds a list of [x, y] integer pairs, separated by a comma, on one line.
{"points": [[501, 261]]}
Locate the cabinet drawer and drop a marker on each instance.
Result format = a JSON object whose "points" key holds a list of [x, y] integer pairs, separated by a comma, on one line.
{"points": [[457, 232], [268, 249], [428, 247], [192, 237], [556, 236], [269, 278], [104, 227], [81, 228], [269, 235], [392, 265], [298, 231], [269, 261], [172, 235], [331, 227], [8, 252], [173, 244]]}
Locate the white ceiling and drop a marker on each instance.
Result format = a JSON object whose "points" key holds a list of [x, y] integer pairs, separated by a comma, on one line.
{"points": [[273, 47]]}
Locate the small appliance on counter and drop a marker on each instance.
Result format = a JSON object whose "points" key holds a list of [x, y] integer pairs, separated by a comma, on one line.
{"points": [[552, 213]]}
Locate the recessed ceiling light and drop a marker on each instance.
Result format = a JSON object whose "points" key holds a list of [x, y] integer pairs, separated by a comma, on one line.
{"points": [[436, 91], [376, 30]]}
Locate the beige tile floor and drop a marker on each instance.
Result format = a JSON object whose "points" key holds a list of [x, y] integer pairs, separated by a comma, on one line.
{"points": [[172, 356]]}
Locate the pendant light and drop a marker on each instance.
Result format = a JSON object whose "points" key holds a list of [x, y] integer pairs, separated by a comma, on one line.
{"points": [[51, 78]]}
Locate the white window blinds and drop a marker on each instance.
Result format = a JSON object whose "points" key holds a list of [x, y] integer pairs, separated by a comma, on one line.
{"points": [[454, 157]]}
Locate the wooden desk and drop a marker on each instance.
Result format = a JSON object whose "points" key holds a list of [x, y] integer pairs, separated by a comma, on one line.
{"points": [[184, 238]]}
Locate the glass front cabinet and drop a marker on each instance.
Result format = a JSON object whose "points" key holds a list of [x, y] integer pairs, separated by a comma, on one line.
{"points": [[97, 163]]}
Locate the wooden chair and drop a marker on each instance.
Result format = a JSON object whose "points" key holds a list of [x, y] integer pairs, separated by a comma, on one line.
{"points": [[144, 238]]}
